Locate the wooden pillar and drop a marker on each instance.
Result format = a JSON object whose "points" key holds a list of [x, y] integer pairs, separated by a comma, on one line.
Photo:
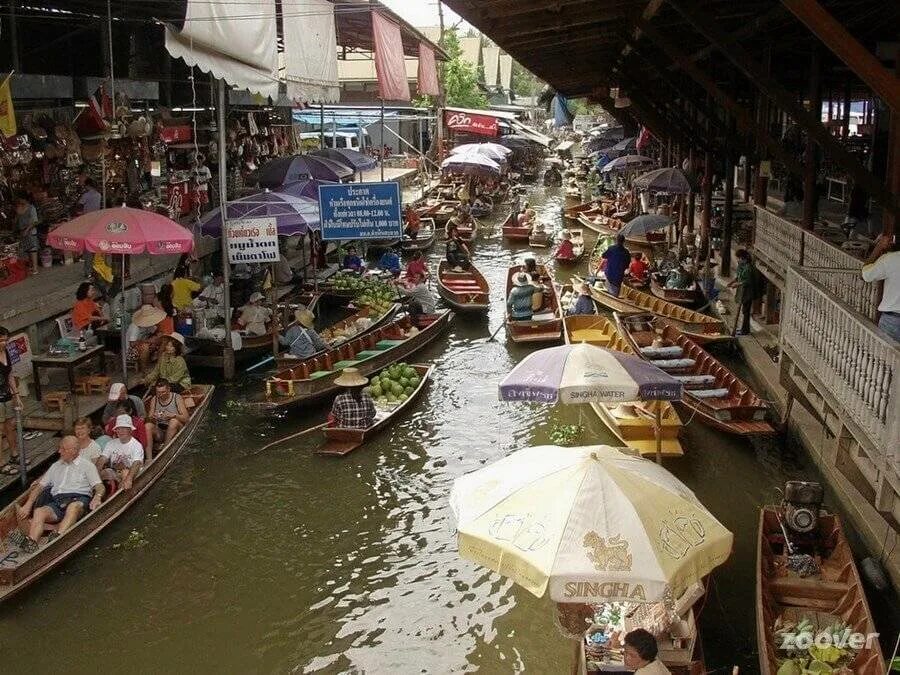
{"points": [[728, 215], [845, 120], [692, 204], [748, 176], [707, 205], [889, 219], [810, 165]]}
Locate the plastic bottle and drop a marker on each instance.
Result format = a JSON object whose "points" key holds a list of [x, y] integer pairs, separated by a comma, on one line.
{"points": [[82, 344]]}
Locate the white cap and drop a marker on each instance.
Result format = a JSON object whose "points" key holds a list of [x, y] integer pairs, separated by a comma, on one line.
{"points": [[124, 422], [115, 391]]}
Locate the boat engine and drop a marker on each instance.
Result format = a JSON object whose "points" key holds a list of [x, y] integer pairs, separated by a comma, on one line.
{"points": [[801, 505]]}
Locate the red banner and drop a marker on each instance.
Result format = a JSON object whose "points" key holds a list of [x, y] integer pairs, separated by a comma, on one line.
{"points": [[390, 65], [428, 80], [483, 125]]}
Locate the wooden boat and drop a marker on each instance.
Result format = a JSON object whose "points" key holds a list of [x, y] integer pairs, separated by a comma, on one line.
{"points": [[834, 594], [443, 211], [570, 214], [514, 232], [573, 197], [701, 328], [332, 334], [314, 377], [485, 209], [538, 239], [711, 391], [689, 297], [632, 423], [23, 569], [207, 352], [546, 324], [341, 441], [465, 291], [577, 248], [424, 240], [467, 232], [595, 220]]}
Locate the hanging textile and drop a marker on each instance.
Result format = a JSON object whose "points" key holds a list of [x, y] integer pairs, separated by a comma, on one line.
{"points": [[490, 56], [310, 53], [234, 40], [390, 65], [505, 72], [427, 75]]}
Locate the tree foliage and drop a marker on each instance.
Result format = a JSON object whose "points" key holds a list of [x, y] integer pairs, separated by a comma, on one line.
{"points": [[460, 77], [524, 83]]}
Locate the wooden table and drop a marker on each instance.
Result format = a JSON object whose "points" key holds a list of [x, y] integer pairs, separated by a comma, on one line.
{"points": [[69, 362]]}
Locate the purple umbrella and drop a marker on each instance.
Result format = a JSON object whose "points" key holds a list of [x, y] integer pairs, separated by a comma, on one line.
{"points": [[293, 215], [471, 163], [670, 180], [355, 160], [303, 188], [283, 170]]}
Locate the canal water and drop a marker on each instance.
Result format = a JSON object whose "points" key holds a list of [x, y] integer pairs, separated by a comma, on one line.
{"points": [[288, 562]]}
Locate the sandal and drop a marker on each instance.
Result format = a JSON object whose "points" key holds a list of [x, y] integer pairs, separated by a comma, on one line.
{"points": [[29, 545], [16, 538], [53, 535]]}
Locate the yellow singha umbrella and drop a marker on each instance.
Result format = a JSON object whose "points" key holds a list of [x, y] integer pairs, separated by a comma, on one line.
{"points": [[595, 524]]}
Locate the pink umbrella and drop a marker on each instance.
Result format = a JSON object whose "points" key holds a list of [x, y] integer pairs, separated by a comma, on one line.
{"points": [[122, 231]]}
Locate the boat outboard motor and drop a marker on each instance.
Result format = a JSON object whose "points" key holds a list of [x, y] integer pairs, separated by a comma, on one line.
{"points": [[801, 504]]}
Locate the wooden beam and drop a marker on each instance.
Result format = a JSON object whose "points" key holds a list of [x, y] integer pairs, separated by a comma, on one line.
{"points": [[504, 28], [785, 100], [859, 59], [810, 165]]}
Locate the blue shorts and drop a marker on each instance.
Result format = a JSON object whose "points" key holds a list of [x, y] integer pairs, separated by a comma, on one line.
{"points": [[59, 503]]}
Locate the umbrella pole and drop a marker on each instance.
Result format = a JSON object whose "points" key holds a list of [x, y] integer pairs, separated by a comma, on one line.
{"points": [[657, 430], [123, 337]]}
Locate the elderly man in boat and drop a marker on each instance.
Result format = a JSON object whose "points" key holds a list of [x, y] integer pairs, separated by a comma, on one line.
{"points": [[353, 408], [254, 315], [69, 488], [300, 338], [457, 251], [642, 654], [418, 296]]}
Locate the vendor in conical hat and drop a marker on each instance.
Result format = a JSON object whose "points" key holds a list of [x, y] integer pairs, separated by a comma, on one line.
{"points": [[353, 408], [301, 340], [149, 325], [566, 249]]}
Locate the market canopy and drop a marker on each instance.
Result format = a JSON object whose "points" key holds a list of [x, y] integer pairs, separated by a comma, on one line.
{"points": [[595, 524], [293, 215], [649, 222], [494, 151], [628, 163]]}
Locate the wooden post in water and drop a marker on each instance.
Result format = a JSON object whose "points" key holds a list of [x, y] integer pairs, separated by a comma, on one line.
{"points": [[228, 349]]}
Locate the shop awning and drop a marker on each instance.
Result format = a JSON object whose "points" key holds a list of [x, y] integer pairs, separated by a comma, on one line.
{"points": [[234, 40]]}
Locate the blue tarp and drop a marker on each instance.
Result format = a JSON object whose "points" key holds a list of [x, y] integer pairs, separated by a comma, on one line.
{"points": [[345, 117]]}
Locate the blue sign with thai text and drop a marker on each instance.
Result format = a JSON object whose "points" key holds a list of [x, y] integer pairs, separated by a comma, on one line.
{"points": [[360, 211]]}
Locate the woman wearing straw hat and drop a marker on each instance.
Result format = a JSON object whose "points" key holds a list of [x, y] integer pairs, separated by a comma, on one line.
{"points": [[300, 338], [354, 408], [520, 297], [566, 250], [171, 365], [148, 326]]}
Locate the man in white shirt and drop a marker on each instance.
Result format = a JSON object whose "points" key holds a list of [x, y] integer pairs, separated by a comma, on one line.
{"points": [[122, 458], [640, 654], [214, 295], [884, 265], [70, 487]]}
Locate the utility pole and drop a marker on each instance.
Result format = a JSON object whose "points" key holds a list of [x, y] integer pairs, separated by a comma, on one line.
{"points": [[439, 101]]}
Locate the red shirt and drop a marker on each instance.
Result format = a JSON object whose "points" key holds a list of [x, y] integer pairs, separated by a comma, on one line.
{"points": [[565, 250], [417, 267], [638, 268]]}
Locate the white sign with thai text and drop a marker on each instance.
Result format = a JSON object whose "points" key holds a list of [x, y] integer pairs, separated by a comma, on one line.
{"points": [[253, 240]]}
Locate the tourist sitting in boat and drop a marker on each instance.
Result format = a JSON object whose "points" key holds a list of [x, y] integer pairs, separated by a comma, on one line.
{"points": [[354, 408], [615, 261], [531, 268], [565, 250], [69, 488], [638, 268], [463, 193], [127, 407], [479, 204], [300, 338], [166, 414], [213, 296], [419, 298], [170, 364], [254, 315], [118, 392], [584, 304], [86, 313], [678, 277], [520, 298], [352, 261], [87, 446], [417, 266], [122, 458], [149, 325], [413, 222], [390, 262], [457, 251], [526, 218], [184, 289], [640, 654]]}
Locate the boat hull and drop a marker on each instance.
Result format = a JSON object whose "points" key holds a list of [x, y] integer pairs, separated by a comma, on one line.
{"points": [[540, 330], [465, 291]]}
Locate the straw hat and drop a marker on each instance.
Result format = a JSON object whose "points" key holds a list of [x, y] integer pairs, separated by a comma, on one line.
{"points": [[350, 377], [584, 289], [305, 318], [521, 279], [257, 296], [177, 337], [124, 422], [148, 316]]}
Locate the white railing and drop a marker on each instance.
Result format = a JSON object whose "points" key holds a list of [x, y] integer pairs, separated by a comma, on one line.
{"points": [[778, 240], [855, 362], [781, 243]]}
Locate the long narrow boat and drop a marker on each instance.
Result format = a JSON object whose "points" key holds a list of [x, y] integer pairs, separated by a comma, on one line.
{"points": [[20, 570], [711, 391], [570, 214], [424, 239], [539, 239], [206, 352], [465, 291], [314, 377], [632, 423], [701, 328], [834, 594], [595, 220], [546, 323], [689, 297], [343, 330], [515, 232], [468, 232], [342, 441], [577, 249]]}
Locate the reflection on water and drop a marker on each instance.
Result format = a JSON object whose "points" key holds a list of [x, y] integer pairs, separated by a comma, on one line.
{"points": [[289, 562]]}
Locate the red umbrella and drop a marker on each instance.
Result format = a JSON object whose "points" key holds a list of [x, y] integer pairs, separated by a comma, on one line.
{"points": [[124, 231]]}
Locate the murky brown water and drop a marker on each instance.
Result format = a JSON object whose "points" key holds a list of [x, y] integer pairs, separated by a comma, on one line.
{"points": [[290, 562]]}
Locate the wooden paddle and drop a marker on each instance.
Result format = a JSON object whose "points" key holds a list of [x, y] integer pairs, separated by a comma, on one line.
{"points": [[287, 438]]}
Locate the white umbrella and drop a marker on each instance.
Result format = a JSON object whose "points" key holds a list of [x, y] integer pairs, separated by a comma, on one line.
{"points": [[493, 151], [593, 523]]}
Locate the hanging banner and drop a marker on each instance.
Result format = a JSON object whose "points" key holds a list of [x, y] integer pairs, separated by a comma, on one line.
{"points": [[253, 240], [360, 211], [427, 73], [390, 64], [483, 125]]}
